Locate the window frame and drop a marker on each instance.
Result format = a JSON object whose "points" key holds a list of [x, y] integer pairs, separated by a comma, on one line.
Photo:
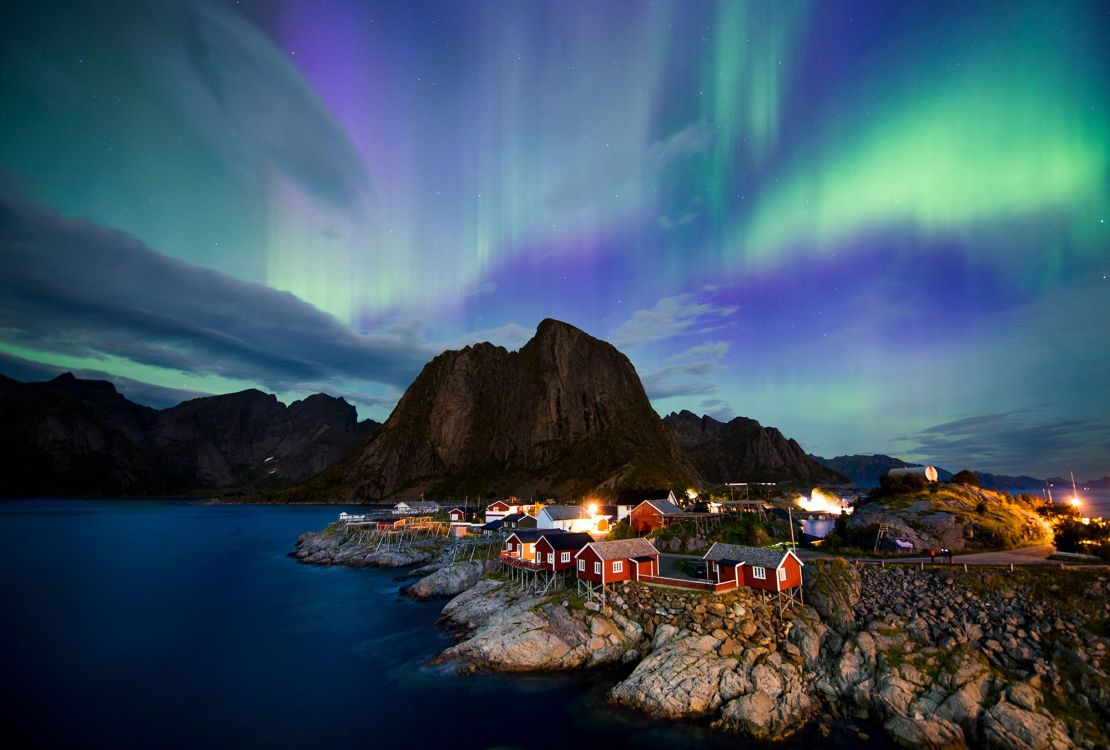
{"points": [[759, 572]]}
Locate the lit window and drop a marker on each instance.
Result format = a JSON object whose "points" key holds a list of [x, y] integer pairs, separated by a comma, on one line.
{"points": [[565, 557], [618, 566], [759, 573], [582, 565], [597, 568]]}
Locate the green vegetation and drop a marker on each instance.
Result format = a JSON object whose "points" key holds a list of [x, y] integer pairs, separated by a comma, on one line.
{"points": [[966, 477], [990, 520]]}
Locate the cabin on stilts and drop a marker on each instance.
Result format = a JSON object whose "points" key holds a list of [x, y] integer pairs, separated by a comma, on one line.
{"points": [[600, 563], [771, 571]]}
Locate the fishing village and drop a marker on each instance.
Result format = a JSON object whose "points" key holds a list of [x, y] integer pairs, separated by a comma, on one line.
{"points": [[723, 617]]}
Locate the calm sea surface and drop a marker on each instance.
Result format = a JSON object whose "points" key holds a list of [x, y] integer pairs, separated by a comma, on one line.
{"points": [[166, 624]]}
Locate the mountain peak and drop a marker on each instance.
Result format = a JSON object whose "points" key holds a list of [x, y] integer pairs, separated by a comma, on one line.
{"points": [[563, 415]]}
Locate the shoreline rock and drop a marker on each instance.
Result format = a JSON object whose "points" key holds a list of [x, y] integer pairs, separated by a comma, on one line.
{"points": [[936, 658], [334, 547]]}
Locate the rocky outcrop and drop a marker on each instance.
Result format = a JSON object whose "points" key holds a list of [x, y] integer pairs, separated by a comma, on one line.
{"points": [[450, 580], [336, 547], [742, 447], [832, 587], [939, 659], [81, 437], [521, 633], [952, 516], [564, 415]]}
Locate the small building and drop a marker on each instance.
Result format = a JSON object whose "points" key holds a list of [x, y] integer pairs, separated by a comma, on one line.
{"points": [[416, 506], [601, 563], [457, 515], [928, 473], [653, 514], [629, 499], [514, 521], [502, 508], [755, 567], [520, 544], [492, 528], [575, 518], [556, 551]]}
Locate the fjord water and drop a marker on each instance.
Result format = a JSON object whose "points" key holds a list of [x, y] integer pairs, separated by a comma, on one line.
{"points": [[167, 624]]}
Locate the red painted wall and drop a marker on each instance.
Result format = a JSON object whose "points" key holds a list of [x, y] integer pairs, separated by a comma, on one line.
{"points": [[645, 519]]}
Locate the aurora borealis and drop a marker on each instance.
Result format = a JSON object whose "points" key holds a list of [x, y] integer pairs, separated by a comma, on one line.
{"points": [[880, 227]]}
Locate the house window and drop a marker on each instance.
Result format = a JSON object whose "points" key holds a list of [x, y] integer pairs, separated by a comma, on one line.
{"points": [[782, 574], [597, 568], [565, 557], [759, 573], [582, 566], [618, 566], [550, 557], [508, 545]]}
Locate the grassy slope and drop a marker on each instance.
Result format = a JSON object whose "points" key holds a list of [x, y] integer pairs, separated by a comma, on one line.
{"points": [[1000, 520]]}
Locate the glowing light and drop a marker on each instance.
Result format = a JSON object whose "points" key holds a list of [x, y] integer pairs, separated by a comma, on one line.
{"points": [[592, 508], [820, 501]]}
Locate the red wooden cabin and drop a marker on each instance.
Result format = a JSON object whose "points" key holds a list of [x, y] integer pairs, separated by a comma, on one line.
{"points": [[622, 560], [556, 551], [755, 567], [653, 514]]}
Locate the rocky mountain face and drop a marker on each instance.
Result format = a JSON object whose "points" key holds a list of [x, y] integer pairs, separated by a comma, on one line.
{"points": [[81, 437], [744, 450], [566, 414]]}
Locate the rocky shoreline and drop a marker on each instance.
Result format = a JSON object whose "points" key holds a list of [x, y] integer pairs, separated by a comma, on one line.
{"points": [[939, 658]]}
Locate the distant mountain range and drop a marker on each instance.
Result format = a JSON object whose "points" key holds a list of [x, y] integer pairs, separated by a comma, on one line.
{"points": [[865, 471], [72, 437], [564, 416]]}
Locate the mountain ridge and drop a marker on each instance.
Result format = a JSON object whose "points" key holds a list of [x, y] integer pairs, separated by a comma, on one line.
{"points": [[744, 450], [69, 436]]}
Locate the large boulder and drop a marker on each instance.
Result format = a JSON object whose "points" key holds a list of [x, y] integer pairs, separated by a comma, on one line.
{"points": [[1007, 725], [535, 634], [681, 679], [832, 587], [450, 580]]}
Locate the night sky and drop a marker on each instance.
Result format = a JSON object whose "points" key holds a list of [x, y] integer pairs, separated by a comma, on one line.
{"points": [[879, 226]]}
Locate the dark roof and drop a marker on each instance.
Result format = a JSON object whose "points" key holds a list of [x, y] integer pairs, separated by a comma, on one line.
{"points": [[767, 558], [607, 510], [726, 561], [533, 535], [561, 540], [643, 558], [623, 549], [493, 525], [514, 517], [565, 512], [666, 507], [635, 497]]}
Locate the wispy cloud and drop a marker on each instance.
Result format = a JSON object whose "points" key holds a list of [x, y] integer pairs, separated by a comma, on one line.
{"points": [[72, 287], [1020, 442], [671, 316], [688, 373], [240, 92]]}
